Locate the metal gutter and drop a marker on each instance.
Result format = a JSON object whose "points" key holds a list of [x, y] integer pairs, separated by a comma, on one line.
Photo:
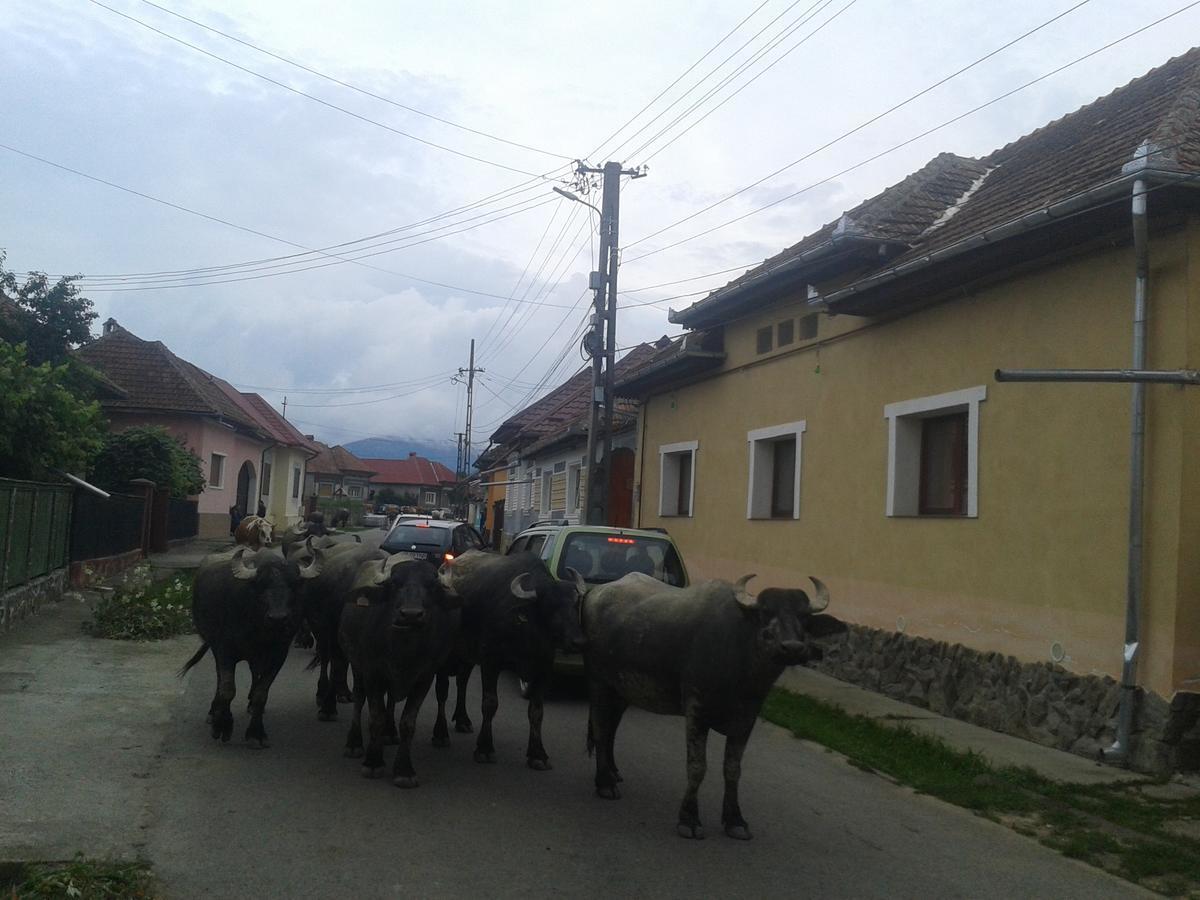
{"points": [[1092, 376], [1054, 212]]}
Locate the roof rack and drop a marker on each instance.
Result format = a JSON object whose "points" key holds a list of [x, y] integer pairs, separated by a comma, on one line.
{"points": [[542, 522]]}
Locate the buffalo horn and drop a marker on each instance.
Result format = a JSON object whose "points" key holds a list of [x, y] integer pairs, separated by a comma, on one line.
{"points": [[240, 569], [518, 588], [822, 600], [316, 564], [745, 599], [580, 584], [385, 569]]}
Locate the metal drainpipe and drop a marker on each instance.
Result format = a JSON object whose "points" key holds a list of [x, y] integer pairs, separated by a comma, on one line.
{"points": [[1121, 748]]}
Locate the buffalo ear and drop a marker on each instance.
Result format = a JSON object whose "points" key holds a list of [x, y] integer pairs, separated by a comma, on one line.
{"points": [[823, 625]]}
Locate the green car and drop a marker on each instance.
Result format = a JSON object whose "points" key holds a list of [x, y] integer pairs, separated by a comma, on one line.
{"points": [[601, 554]]}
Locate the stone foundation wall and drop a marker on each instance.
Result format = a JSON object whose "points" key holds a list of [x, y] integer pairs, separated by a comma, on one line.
{"points": [[21, 602], [1040, 702], [92, 570]]}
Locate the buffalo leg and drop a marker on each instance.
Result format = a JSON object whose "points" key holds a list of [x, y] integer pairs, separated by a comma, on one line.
{"points": [[264, 672], [389, 721], [372, 766], [220, 712], [462, 720], [697, 748], [731, 811], [403, 773], [354, 737], [535, 753], [441, 730], [485, 749], [606, 708], [338, 670], [618, 712], [326, 701]]}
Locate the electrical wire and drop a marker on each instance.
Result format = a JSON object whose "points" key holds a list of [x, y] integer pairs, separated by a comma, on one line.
{"points": [[354, 87], [349, 390]]}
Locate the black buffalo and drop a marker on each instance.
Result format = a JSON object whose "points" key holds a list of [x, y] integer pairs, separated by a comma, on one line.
{"points": [[341, 517], [398, 627], [515, 613], [323, 596], [709, 653], [245, 607]]}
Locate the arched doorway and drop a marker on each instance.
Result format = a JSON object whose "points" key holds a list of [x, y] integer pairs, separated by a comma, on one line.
{"points": [[246, 484]]}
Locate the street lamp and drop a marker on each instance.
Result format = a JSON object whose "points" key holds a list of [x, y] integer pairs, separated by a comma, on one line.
{"points": [[576, 198]]}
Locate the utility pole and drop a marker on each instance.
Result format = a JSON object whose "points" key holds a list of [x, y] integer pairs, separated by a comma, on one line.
{"points": [[458, 465], [601, 341], [469, 375], [285, 406]]}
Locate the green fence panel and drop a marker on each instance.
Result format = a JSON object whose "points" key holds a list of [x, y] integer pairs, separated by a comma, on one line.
{"points": [[34, 523]]}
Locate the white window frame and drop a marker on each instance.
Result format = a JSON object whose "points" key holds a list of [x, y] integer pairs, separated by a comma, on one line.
{"points": [[297, 482], [217, 485], [668, 476], [547, 477], [430, 497], [904, 447], [759, 441]]}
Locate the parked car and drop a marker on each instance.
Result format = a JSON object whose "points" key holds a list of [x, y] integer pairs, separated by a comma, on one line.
{"points": [[421, 537], [600, 554]]}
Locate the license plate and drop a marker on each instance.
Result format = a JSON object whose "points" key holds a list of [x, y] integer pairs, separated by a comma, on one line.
{"points": [[406, 554]]}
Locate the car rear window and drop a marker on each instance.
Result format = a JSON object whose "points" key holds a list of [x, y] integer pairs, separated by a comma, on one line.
{"points": [[601, 558], [403, 537]]}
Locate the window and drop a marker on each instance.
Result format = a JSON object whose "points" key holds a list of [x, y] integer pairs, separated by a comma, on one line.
{"points": [[933, 454], [266, 479], [216, 470], [774, 490], [785, 332], [547, 488], [677, 464], [601, 558], [808, 327], [763, 340], [573, 479], [536, 543], [295, 482], [354, 490], [325, 489], [535, 490], [430, 498]]}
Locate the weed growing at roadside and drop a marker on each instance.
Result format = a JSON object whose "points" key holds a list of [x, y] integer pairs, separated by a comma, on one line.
{"points": [[140, 610], [85, 879]]}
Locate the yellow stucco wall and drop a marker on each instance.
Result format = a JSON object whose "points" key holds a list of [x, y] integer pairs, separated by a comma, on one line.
{"points": [[1045, 560]]}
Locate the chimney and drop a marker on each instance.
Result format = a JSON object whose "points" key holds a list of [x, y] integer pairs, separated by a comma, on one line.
{"points": [[109, 325], [411, 454]]}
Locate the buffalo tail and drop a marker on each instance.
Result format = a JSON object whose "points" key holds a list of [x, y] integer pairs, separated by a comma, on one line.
{"points": [[591, 738], [199, 655]]}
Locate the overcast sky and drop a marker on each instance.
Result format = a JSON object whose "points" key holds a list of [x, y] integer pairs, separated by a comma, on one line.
{"points": [[85, 88]]}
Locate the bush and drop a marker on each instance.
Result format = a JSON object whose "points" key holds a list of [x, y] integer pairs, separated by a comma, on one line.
{"points": [[86, 879], [140, 610], [148, 452]]}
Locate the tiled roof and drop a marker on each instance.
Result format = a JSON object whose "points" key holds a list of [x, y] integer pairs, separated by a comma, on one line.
{"points": [[953, 197], [274, 424], [336, 461], [413, 470], [155, 379]]}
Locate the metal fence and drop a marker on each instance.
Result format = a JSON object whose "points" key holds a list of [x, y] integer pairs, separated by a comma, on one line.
{"points": [[102, 527], [35, 520], [183, 519]]}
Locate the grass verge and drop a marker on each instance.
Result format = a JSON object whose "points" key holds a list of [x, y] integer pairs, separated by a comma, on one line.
{"points": [[143, 610], [1122, 828], [82, 878]]}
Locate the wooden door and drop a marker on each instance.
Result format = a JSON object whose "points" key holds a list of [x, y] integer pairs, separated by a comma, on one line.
{"points": [[620, 488]]}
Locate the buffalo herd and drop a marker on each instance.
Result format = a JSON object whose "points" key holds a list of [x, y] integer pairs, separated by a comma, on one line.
{"points": [[400, 625]]}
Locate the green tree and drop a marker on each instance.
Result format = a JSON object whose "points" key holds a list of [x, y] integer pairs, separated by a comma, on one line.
{"points": [[49, 318], [43, 424], [148, 452]]}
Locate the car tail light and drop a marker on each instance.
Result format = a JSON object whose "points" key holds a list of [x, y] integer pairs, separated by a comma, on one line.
{"points": [[617, 540], [447, 556]]}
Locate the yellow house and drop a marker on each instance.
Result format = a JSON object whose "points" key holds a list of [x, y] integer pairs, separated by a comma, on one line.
{"points": [[835, 412]]}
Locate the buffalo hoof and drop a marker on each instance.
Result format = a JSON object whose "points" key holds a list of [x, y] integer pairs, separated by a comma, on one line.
{"points": [[464, 726], [353, 752], [692, 831], [345, 697], [738, 832], [406, 781], [608, 792], [259, 742], [372, 771], [441, 740], [326, 716], [538, 765], [484, 756]]}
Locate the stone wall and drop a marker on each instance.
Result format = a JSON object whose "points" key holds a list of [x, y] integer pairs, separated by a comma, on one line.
{"points": [[21, 602], [1040, 702], [91, 570]]}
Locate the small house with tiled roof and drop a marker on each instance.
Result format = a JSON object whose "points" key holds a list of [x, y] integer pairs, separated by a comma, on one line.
{"points": [[426, 482], [835, 411], [284, 462], [336, 472], [544, 446], [156, 387]]}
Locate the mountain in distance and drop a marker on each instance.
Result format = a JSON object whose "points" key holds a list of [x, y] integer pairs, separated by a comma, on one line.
{"points": [[399, 448]]}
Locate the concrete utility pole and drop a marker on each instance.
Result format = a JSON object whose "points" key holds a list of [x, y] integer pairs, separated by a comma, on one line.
{"points": [[285, 406], [601, 341], [469, 374]]}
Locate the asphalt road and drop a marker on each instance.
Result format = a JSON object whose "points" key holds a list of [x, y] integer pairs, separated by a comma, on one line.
{"points": [[298, 820]]}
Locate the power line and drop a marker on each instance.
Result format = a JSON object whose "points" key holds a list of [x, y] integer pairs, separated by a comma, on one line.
{"points": [[365, 389], [913, 139], [856, 128], [315, 99], [354, 87]]}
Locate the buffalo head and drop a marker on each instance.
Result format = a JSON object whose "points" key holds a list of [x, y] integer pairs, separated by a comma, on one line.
{"points": [[787, 618], [557, 602], [273, 581], [410, 588]]}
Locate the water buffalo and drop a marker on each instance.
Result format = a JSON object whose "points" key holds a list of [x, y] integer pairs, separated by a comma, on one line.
{"points": [[341, 517], [398, 627], [254, 532], [245, 607], [709, 653], [323, 596], [514, 615]]}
